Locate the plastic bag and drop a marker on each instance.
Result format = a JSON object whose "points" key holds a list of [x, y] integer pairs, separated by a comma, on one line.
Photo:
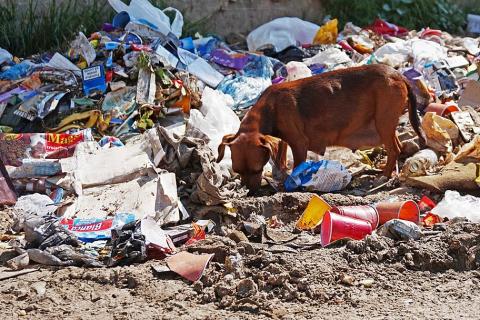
{"points": [[244, 90], [330, 57], [424, 51], [297, 70], [454, 205], [200, 68], [383, 27], [393, 54], [215, 118], [18, 71], [94, 229], [142, 11], [121, 101], [5, 56], [397, 229], [16, 147], [282, 33], [327, 34], [323, 176], [82, 47]]}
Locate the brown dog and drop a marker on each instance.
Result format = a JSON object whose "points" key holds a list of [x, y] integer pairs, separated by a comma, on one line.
{"points": [[355, 108]]}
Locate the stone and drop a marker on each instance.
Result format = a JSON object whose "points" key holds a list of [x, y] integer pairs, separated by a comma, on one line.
{"points": [[238, 236], [246, 288], [367, 283], [39, 287], [347, 280]]}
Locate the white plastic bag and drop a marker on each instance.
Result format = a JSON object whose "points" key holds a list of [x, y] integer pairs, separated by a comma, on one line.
{"points": [[330, 57], [215, 119], [200, 68], [394, 54], [323, 176], [143, 11], [282, 33], [297, 70], [5, 56], [424, 51], [454, 205]]}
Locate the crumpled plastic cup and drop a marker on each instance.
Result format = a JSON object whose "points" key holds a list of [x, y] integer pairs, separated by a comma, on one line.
{"points": [[404, 210], [313, 214], [335, 227], [366, 213], [440, 109]]}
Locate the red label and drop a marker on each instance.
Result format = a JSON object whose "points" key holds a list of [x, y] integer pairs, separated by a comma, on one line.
{"points": [[61, 140]]}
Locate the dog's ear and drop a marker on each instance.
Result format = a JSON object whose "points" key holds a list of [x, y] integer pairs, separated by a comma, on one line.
{"points": [[278, 150], [227, 140]]}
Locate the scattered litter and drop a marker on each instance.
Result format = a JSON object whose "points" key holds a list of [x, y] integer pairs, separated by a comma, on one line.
{"points": [[324, 176]]}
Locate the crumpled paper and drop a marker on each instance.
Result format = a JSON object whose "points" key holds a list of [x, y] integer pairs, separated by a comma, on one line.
{"points": [[440, 132], [215, 184]]}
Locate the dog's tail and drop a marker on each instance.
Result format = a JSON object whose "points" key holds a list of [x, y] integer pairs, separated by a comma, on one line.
{"points": [[413, 114]]}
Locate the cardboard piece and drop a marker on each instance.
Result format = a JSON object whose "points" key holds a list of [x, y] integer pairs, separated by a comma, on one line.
{"points": [[471, 95], [465, 124], [146, 87], [188, 265], [7, 191]]}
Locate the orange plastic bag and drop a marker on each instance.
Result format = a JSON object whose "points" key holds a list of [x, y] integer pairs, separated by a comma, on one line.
{"points": [[327, 34]]}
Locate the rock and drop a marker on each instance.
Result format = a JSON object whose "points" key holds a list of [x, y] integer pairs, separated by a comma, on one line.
{"points": [[347, 280], [278, 279], [248, 248], [39, 287], [222, 290], [233, 263], [410, 147], [198, 286], [439, 227], [94, 297], [367, 283], [357, 246], [377, 243], [22, 313], [238, 236], [246, 288], [19, 262], [253, 230]]}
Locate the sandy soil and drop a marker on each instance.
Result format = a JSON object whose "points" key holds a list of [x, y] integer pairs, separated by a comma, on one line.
{"points": [[376, 278]]}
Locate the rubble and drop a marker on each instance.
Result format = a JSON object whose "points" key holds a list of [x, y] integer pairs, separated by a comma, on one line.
{"points": [[108, 158]]}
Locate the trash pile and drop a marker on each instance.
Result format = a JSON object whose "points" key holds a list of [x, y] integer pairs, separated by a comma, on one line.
{"points": [[104, 147]]}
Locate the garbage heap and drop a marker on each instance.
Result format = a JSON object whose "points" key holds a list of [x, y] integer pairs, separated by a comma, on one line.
{"points": [[105, 146]]}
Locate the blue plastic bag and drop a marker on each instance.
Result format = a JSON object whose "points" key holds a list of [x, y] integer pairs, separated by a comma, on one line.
{"points": [[17, 71], [323, 176]]}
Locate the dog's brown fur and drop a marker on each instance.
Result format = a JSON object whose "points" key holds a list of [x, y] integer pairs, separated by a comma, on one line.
{"points": [[355, 107]]}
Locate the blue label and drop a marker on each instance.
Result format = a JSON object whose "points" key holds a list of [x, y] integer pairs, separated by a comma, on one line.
{"points": [[94, 79]]}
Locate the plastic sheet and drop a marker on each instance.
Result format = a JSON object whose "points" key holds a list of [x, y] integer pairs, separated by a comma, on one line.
{"points": [[455, 205], [142, 11], [282, 33], [323, 176]]}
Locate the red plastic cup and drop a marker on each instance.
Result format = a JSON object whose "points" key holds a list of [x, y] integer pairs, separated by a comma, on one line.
{"points": [[440, 109], [426, 204], [404, 210], [336, 226], [366, 213]]}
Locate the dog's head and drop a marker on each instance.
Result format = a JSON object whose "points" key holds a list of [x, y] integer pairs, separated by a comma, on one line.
{"points": [[250, 153]]}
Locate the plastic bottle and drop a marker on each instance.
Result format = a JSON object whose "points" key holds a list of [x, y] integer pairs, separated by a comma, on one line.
{"points": [[420, 163]]}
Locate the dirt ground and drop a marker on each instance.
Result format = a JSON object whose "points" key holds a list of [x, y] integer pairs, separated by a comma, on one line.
{"points": [[286, 276]]}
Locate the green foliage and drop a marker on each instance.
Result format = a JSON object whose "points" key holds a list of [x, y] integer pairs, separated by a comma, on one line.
{"points": [[41, 25], [412, 14]]}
